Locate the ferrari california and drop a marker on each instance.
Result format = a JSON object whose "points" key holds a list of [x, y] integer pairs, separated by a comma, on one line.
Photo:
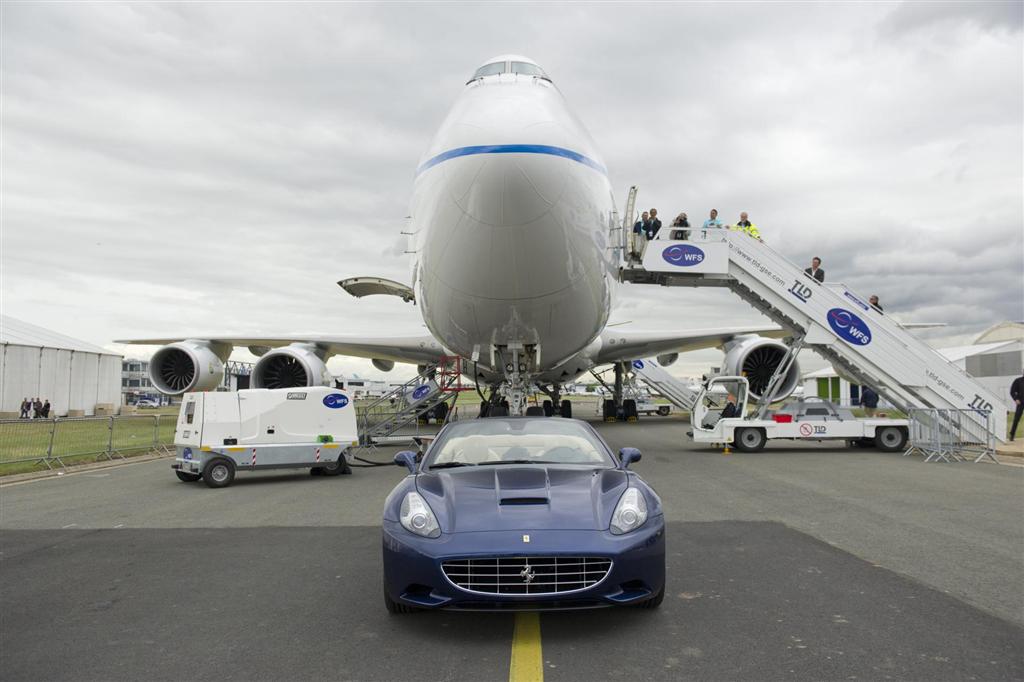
{"points": [[522, 514]]}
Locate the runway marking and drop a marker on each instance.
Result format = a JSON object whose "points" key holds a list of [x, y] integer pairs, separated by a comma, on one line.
{"points": [[527, 664]]}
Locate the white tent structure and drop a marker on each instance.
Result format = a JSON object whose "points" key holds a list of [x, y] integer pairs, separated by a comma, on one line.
{"points": [[73, 375]]}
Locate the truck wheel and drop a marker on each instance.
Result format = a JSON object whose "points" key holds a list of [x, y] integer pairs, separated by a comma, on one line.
{"points": [[218, 473], [187, 477], [567, 409], [664, 410], [336, 468], [750, 439], [890, 438]]}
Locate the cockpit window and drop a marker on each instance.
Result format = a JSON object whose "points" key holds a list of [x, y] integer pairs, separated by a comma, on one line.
{"points": [[528, 69], [489, 70]]}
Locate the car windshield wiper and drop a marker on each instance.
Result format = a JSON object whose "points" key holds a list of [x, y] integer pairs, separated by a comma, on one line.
{"points": [[450, 465], [513, 461]]}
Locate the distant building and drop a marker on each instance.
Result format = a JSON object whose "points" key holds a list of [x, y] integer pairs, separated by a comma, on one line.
{"points": [[995, 359], [77, 377]]}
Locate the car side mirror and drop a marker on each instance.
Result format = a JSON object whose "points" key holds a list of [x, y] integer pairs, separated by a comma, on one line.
{"points": [[629, 455], [406, 458]]}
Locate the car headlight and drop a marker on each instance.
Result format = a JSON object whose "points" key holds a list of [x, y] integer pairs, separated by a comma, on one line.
{"points": [[417, 518], [630, 513]]}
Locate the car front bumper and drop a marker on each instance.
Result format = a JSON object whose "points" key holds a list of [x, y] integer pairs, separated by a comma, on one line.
{"points": [[413, 574]]}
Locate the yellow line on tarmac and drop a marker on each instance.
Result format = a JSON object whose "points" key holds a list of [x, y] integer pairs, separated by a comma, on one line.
{"points": [[527, 663]]}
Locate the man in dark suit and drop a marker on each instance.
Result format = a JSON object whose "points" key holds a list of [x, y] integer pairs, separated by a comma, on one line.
{"points": [[815, 270], [1017, 393], [653, 226]]}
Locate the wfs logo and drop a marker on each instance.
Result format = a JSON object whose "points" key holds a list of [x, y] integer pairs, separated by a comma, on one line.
{"points": [[849, 327], [638, 364], [420, 392], [336, 401], [683, 254]]}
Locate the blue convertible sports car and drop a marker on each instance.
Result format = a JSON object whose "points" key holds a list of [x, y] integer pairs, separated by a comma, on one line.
{"points": [[522, 514]]}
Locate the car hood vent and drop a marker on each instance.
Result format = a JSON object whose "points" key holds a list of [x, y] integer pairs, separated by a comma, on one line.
{"points": [[524, 500]]}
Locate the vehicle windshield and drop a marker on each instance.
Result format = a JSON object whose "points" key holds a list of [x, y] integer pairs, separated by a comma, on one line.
{"points": [[494, 442]]}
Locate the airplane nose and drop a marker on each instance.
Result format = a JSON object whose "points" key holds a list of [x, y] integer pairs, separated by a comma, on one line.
{"points": [[507, 189]]}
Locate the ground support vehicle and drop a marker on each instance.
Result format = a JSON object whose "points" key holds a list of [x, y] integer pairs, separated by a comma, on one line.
{"points": [[806, 419], [221, 433]]}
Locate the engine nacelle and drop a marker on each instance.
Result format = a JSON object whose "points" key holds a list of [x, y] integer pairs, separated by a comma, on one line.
{"points": [[294, 366], [188, 366], [383, 365], [757, 358], [667, 359]]}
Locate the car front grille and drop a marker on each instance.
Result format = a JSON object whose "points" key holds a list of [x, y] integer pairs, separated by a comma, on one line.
{"points": [[527, 575]]}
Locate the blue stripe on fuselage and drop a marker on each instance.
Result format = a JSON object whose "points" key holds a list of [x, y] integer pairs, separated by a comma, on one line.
{"points": [[512, 149]]}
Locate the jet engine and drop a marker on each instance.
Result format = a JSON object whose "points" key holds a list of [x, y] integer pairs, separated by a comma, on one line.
{"points": [[667, 359], [757, 358], [294, 366], [383, 365], [188, 366]]}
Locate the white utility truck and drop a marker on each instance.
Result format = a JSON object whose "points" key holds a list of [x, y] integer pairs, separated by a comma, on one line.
{"points": [[719, 415], [219, 433]]}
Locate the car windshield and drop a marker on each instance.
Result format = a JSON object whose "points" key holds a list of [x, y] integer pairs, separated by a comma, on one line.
{"points": [[494, 442]]}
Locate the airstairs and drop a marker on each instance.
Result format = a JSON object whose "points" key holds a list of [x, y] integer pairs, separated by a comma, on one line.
{"points": [[405, 404], [860, 341], [663, 383]]}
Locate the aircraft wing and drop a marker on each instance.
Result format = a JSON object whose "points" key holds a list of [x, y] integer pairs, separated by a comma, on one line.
{"points": [[411, 349], [621, 346]]}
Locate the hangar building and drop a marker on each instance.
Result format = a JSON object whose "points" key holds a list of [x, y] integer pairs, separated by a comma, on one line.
{"points": [[75, 376]]}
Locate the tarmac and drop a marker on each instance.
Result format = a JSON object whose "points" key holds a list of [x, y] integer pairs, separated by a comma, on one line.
{"points": [[805, 561]]}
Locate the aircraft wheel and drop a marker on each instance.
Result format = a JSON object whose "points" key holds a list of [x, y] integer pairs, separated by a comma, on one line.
{"points": [[549, 408], [629, 410], [750, 439], [890, 438], [567, 409], [609, 411]]}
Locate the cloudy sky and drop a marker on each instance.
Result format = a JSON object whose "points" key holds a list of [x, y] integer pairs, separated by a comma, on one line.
{"points": [[179, 169]]}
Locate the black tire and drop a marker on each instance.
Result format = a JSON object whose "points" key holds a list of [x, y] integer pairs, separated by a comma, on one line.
{"points": [[336, 468], [654, 602], [187, 477], [549, 408], [484, 408], [219, 473], [750, 439], [609, 410], [629, 412], [441, 412], [567, 409], [664, 410], [316, 471], [890, 438], [394, 608]]}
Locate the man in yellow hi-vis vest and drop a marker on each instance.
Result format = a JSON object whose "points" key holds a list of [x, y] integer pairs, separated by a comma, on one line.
{"points": [[744, 225]]}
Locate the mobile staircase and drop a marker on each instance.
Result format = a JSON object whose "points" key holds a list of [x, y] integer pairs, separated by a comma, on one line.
{"points": [[860, 341], [406, 404], [663, 383]]}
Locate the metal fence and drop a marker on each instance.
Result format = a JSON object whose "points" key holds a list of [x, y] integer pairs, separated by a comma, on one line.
{"points": [[50, 441], [951, 435]]}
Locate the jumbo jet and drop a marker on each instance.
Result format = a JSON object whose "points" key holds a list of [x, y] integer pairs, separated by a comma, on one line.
{"points": [[514, 237]]}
